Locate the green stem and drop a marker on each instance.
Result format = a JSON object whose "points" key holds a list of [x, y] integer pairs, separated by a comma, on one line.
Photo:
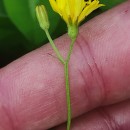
{"points": [[54, 47], [67, 95], [66, 71], [68, 84], [71, 49]]}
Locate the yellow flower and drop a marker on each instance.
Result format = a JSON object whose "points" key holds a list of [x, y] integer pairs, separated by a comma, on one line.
{"points": [[74, 11]]}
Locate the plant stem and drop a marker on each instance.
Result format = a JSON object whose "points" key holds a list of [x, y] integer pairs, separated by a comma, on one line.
{"points": [[68, 97], [54, 47], [66, 70], [70, 50]]}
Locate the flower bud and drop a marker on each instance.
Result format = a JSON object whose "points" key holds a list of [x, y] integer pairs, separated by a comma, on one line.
{"points": [[42, 17]]}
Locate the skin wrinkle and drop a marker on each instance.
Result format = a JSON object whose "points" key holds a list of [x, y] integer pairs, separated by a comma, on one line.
{"points": [[108, 120], [86, 92], [80, 47], [94, 70], [97, 70], [83, 75]]}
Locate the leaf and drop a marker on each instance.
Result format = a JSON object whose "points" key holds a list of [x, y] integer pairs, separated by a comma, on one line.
{"points": [[2, 10], [12, 43], [22, 13]]}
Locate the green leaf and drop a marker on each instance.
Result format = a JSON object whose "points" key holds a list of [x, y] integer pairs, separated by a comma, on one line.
{"points": [[12, 43], [2, 10], [22, 13]]}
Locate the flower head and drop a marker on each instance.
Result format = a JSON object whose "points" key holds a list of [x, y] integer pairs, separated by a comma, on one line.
{"points": [[74, 11]]}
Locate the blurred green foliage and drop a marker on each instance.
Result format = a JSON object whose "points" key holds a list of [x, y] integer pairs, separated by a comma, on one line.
{"points": [[19, 29]]}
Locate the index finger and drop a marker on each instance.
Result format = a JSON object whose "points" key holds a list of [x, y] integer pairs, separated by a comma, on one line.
{"points": [[32, 91]]}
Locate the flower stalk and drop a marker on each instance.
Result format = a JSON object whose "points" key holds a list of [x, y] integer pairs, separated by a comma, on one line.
{"points": [[54, 47], [67, 84], [73, 13]]}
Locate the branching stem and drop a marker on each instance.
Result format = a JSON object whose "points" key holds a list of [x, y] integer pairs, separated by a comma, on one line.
{"points": [[66, 72], [54, 47]]}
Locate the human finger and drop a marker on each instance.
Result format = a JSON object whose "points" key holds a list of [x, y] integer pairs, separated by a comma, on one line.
{"points": [[32, 90]]}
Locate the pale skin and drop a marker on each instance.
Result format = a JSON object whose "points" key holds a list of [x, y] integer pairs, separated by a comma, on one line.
{"points": [[32, 88]]}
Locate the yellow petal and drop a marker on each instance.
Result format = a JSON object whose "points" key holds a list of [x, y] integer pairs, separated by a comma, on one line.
{"points": [[61, 4], [89, 2], [54, 6], [66, 19], [68, 9], [83, 4], [89, 9], [79, 6]]}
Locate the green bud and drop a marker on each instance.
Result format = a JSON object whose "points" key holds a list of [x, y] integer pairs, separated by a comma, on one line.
{"points": [[42, 17]]}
